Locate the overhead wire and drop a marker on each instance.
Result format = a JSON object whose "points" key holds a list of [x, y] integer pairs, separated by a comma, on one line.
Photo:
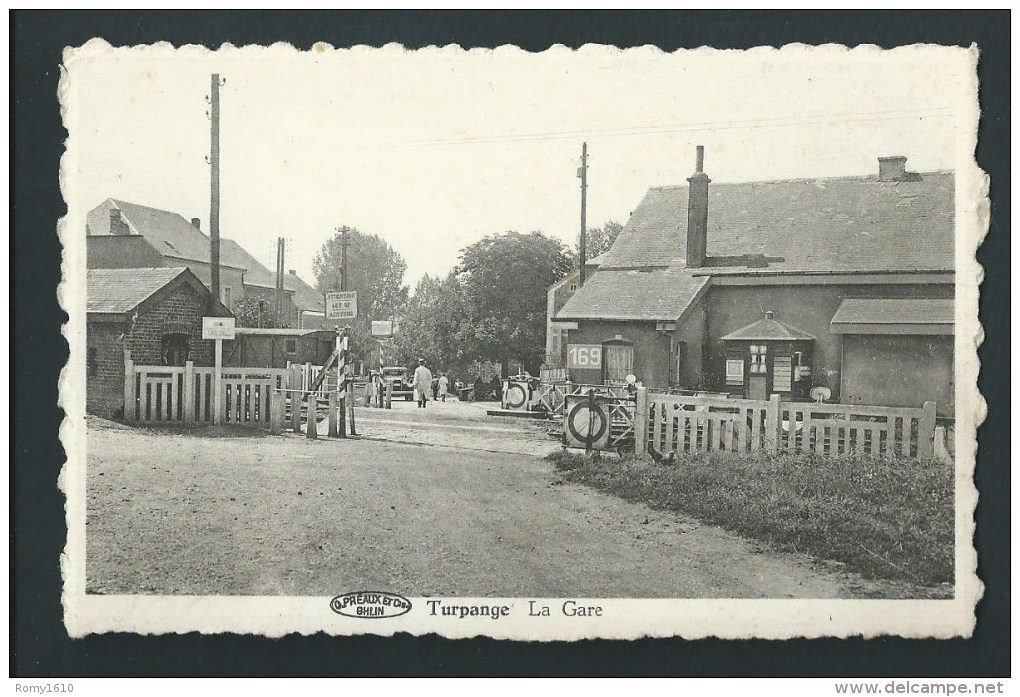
{"points": [[662, 129]]}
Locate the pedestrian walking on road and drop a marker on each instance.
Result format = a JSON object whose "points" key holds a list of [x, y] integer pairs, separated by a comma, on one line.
{"points": [[444, 386], [422, 383]]}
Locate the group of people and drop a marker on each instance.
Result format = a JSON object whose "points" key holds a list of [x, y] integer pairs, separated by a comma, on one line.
{"points": [[428, 387]]}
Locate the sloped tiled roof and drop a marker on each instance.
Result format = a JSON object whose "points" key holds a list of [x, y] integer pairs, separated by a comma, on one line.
{"points": [[168, 233], [112, 291], [634, 295], [890, 311], [306, 296], [174, 236], [836, 225], [830, 224], [768, 329], [255, 274]]}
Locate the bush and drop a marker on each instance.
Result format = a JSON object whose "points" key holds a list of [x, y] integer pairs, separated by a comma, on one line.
{"points": [[882, 518]]}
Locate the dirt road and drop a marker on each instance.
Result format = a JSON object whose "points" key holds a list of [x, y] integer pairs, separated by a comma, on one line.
{"points": [[441, 502]]}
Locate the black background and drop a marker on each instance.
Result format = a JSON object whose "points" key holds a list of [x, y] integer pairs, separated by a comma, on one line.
{"points": [[40, 645]]}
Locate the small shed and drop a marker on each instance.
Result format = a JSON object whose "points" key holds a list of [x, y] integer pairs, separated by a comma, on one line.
{"points": [[275, 348], [154, 315], [768, 357], [896, 352]]}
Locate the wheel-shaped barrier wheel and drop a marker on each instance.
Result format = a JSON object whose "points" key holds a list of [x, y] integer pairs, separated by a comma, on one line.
{"points": [[516, 396], [579, 419]]}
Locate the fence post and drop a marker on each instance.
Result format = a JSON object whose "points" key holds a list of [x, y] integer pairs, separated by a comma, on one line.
{"points": [[311, 425], [306, 376], [189, 391], [591, 422], [341, 413], [389, 394], [332, 415], [926, 432], [129, 386], [295, 411], [641, 421], [350, 405], [277, 407], [773, 423]]}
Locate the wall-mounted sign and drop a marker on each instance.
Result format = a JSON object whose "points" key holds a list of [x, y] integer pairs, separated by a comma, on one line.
{"points": [[383, 329], [218, 328], [342, 304], [584, 356]]}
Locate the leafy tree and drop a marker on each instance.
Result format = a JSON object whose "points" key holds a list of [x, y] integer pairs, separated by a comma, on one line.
{"points": [[600, 239], [256, 312], [504, 280], [434, 325], [416, 336], [375, 270]]}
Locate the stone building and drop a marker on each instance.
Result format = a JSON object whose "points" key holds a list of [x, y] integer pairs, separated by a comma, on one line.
{"points": [[154, 315], [121, 234], [776, 287]]}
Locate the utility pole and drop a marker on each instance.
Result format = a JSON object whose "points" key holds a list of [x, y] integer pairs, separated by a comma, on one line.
{"points": [[582, 172], [280, 266], [214, 186], [343, 257]]}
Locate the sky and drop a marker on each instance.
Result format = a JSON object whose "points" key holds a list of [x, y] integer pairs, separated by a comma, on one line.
{"points": [[432, 150]]}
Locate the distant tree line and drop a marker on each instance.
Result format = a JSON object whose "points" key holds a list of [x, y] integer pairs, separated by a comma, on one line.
{"points": [[491, 306]]}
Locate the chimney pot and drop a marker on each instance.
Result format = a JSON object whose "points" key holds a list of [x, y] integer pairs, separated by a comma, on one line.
{"points": [[700, 165], [892, 169], [769, 314], [292, 272], [196, 222]]}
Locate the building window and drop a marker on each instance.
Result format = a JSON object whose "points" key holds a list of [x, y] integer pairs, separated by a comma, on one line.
{"points": [[758, 356], [92, 362], [619, 362], [290, 346], [227, 296], [734, 371], [573, 287]]}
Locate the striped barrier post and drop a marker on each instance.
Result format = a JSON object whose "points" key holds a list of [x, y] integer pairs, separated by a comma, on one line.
{"points": [[348, 379], [342, 342]]}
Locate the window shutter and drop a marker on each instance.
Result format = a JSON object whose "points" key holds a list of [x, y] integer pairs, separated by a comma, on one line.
{"points": [[782, 374]]}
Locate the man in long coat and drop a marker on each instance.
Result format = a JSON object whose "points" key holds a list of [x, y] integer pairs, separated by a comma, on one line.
{"points": [[422, 383]]}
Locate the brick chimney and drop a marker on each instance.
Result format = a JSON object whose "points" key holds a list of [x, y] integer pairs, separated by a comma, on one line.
{"points": [[292, 272], [196, 223], [892, 169], [117, 224], [697, 214]]}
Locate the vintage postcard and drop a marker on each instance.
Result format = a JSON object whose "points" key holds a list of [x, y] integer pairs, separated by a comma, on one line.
{"points": [[559, 345]]}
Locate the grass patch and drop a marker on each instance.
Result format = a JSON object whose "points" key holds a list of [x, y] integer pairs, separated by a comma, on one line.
{"points": [[890, 519]]}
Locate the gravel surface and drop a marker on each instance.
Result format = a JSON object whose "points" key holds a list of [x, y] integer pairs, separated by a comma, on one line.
{"points": [[444, 501]]}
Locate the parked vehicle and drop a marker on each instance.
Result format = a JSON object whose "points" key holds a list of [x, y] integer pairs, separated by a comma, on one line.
{"points": [[397, 376]]}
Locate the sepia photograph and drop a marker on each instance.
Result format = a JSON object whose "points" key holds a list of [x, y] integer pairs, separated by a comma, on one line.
{"points": [[559, 345]]}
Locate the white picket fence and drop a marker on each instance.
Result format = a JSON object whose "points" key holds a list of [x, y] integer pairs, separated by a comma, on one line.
{"points": [[168, 394], [685, 424], [304, 375]]}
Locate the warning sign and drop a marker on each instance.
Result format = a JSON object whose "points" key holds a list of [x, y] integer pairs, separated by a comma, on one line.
{"points": [[342, 304], [218, 328]]}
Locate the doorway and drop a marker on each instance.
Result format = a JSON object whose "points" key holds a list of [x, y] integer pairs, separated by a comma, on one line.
{"points": [[175, 349], [757, 387]]}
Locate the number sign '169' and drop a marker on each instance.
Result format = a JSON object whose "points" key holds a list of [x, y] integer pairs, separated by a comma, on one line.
{"points": [[584, 356]]}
